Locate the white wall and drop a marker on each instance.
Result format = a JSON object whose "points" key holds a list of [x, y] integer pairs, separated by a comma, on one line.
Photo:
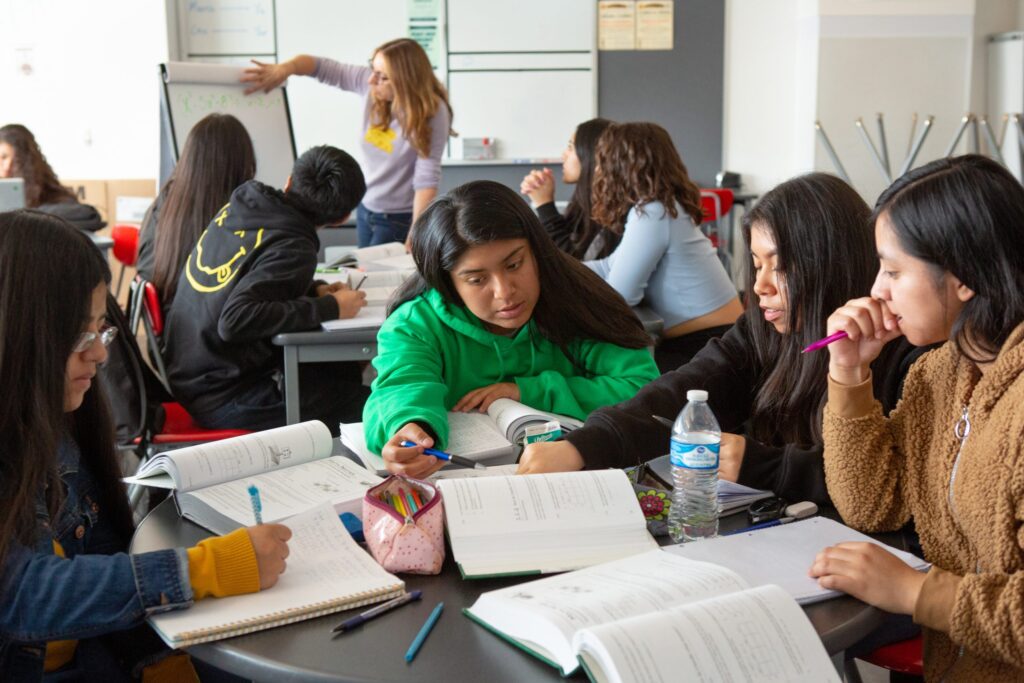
{"points": [[83, 77], [892, 56], [770, 83]]}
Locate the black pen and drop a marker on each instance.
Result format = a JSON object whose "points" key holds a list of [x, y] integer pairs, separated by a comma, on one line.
{"points": [[356, 288], [380, 609]]}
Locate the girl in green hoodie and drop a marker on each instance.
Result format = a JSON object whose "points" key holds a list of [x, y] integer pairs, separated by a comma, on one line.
{"points": [[495, 311]]}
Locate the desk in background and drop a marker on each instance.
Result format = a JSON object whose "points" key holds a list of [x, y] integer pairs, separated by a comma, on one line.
{"points": [[102, 242], [458, 649], [321, 346]]}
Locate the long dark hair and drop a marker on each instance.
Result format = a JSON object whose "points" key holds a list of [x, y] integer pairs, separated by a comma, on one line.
{"points": [[217, 157], [637, 164], [574, 302], [965, 216], [826, 251], [578, 212], [41, 184], [48, 271]]}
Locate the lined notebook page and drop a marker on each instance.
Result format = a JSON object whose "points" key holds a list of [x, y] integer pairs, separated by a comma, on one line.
{"points": [[327, 572]]}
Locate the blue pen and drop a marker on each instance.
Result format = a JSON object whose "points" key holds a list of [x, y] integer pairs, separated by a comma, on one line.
{"points": [[763, 525], [257, 506], [417, 642], [441, 455], [380, 609]]}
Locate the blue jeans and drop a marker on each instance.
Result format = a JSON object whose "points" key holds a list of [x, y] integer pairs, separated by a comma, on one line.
{"points": [[380, 228]]}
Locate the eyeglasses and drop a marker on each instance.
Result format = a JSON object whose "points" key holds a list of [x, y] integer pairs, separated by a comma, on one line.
{"points": [[86, 339]]}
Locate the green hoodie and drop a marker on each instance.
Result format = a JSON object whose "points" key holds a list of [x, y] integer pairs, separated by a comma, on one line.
{"points": [[431, 353]]}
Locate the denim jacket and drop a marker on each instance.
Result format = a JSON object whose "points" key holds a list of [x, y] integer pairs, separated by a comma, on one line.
{"points": [[97, 588]]}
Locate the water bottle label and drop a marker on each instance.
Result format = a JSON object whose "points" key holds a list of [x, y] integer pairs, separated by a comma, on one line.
{"points": [[694, 456]]}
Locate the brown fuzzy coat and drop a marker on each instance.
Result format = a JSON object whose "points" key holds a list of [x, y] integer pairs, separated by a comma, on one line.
{"points": [[880, 472]]}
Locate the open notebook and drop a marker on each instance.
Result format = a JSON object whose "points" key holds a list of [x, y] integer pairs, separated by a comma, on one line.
{"points": [[327, 572]]}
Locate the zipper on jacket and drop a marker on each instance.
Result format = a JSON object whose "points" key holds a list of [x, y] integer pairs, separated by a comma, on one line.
{"points": [[961, 430]]}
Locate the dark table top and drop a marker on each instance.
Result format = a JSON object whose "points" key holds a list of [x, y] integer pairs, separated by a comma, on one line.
{"points": [[457, 648]]}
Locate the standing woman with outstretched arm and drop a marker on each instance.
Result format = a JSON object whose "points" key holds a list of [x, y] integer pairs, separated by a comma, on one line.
{"points": [[406, 124]]}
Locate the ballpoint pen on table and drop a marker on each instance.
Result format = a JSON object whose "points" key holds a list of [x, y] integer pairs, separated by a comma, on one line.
{"points": [[441, 455], [374, 612]]}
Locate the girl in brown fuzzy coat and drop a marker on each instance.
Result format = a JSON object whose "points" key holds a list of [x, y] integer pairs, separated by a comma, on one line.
{"points": [[950, 237]]}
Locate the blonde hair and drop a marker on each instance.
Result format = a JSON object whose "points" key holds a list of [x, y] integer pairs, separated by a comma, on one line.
{"points": [[418, 93]]}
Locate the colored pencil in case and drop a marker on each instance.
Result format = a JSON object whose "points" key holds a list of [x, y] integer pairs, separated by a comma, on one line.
{"points": [[412, 504], [416, 497]]}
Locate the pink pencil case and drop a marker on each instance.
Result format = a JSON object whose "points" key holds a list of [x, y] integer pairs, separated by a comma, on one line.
{"points": [[413, 542]]}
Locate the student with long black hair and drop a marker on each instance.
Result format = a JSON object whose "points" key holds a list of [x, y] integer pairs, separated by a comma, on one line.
{"points": [[495, 311], [950, 238], [66, 580], [810, 248], [575, 233]]}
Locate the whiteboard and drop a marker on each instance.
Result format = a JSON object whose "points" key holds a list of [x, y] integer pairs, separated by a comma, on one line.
{"points": [[521, 26], [532, 114], [192, 91], [221, 27]]}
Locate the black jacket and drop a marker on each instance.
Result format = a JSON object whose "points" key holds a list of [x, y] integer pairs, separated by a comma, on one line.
{"points": [[625, 434], [82, 216], [249, 277], [562, 232]]}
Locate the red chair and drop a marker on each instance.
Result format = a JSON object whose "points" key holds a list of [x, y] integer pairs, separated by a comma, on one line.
{"points": [[178, 428], [904, 660], [126, 248], [716, 204]]}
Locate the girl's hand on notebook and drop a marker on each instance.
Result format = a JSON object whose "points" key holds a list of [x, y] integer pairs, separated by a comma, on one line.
{"points": [[349, 302], [482, 398], [730, 456], [550, 456], [869, 325], [870, 573], [270, 543], [410, 461]]}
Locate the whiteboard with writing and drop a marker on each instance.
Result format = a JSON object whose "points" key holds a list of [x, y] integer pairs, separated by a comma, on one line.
{"points": [[222, 27], [195, 90]]}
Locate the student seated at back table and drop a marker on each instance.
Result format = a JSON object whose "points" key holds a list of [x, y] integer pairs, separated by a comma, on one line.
{"points": [[72, 601], [217, 157], [812, 250], [950, 236], [20, 157], [495, 311], [641, 189], [249, 277], [575, 233]]}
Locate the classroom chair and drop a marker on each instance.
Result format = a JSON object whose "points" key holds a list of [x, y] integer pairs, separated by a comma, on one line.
{"points": [[904, 661], [716, 203], [126, 249], [172, 426]]}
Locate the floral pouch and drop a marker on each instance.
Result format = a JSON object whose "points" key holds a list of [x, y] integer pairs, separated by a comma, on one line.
{"points": [[403, 521]]}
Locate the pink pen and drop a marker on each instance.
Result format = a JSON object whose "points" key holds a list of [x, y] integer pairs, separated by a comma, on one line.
{"points": [[822, 343]]}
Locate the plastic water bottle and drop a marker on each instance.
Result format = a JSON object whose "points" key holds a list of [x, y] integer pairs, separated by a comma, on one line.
{"points": [[696, 438]]}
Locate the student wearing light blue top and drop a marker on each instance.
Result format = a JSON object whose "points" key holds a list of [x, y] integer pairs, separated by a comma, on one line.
{"points": [[406, 123], [641, 189]]}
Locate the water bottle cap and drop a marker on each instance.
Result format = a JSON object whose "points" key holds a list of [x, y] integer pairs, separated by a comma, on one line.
{"points": [[696, 395]]}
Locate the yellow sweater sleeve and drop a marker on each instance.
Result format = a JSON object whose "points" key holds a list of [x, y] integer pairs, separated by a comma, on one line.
{"points": [[224, 565]]}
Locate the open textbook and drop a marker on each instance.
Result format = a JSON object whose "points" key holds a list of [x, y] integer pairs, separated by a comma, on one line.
{"points": [[327, 572], [292, 467], [542, 523], [379, 285], [658, 617], [368, 318], [494, 437], [381, 253]]}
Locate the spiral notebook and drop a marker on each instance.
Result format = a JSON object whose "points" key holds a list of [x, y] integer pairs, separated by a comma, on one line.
{"points": [[327, 572]]}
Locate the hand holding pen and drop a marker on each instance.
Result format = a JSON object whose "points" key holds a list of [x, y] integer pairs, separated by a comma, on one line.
{"points": [[410, 460], [866, 325]]}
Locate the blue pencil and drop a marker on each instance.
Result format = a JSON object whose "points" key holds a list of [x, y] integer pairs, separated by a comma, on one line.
{"points": [[257, 505], [417, 642]]}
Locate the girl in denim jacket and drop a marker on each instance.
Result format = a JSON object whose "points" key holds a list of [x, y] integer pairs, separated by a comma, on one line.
{"points": [[67, 583]]}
